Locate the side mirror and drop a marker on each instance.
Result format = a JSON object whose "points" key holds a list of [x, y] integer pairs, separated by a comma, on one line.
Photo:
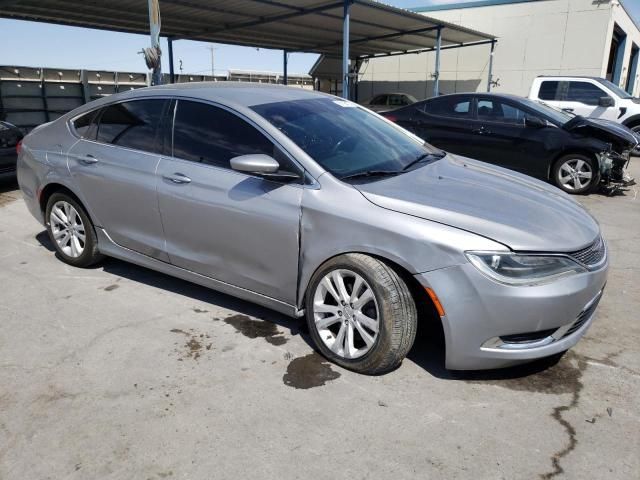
{"points": [[534, 122], [263, 165], [606, 102], [255, 163]]}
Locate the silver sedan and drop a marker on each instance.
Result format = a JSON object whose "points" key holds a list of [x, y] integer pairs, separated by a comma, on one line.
{"points": [[318, 208]]}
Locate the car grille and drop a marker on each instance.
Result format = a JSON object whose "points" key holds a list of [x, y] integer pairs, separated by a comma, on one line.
{"points": [[593, 255], [583, 317]]}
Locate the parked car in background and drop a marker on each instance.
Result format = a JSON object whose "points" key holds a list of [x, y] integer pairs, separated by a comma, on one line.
{"points": [[589, 97], [10, 137], [314, 206], [389, 101], [574, 153]]}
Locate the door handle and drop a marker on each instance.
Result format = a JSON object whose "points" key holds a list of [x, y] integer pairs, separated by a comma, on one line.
{"points": [[178, 178], [89, 159], [481, 131], [568, 109]]}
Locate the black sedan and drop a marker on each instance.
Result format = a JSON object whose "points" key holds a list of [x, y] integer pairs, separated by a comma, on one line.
{"points": [[10, 136], [577, 154]]}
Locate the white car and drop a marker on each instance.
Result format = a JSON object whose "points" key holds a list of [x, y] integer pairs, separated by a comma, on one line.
{"points": [[589, 97], [389, 101]]}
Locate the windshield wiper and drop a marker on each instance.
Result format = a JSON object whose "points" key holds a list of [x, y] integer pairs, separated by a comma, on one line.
{"points": [[424, 156], [371, 173]]}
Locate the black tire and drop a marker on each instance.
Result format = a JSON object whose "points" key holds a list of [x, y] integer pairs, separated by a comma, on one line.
{"points": [[395, 308], [572, 158], [90, 254]]}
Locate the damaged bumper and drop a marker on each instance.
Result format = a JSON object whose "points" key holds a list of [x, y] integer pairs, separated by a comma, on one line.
{"points": [[613, 167]]}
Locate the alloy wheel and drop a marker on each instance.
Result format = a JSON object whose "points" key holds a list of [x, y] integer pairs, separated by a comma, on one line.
{"points": [[67, 229], [575, 174], [346, 313]]}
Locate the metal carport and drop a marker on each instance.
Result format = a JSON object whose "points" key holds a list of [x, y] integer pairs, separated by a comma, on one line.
{"points": [[354, 29]]}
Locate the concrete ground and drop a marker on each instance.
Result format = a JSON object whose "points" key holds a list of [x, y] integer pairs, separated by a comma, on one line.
{"points": [[119, 372]]}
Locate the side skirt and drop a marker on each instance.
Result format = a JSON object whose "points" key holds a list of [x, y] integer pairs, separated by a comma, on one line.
{"points": [[108, 247]]}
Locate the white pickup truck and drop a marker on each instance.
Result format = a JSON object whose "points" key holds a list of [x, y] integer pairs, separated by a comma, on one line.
{"points": [[588, 97]]}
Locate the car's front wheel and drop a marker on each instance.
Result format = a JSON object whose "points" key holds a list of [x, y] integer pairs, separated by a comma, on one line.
{"points": [[71, 231], [361, 314], [576, 173]]}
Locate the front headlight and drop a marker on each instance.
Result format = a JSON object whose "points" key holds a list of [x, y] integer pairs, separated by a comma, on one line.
{"points": [[521, 270]]}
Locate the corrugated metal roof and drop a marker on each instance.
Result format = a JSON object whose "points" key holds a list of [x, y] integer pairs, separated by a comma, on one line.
{"points": [[295, 25]]}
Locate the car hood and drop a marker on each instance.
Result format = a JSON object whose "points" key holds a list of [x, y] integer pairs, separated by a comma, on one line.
{"points": [[523, 213], [621, 137]]}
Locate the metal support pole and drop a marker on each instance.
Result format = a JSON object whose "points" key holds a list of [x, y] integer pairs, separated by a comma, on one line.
{"points": [[436, 85], [285, 61], [345, 49], [490, 76], [172, 76], [154, 27]]}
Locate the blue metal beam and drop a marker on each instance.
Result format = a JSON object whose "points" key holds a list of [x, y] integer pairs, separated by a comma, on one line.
{"points": [[423, 50], [399, 33], [345, 49], [284, 16], [172, 77], [285, 61]]}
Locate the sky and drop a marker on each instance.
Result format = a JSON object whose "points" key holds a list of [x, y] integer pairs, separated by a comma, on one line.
{"points": [[45, 45]]}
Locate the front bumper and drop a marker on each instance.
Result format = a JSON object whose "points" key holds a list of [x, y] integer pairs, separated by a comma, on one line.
{"points": [[490, 325]]}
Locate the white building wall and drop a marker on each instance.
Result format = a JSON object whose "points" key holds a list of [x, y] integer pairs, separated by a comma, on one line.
{"points": [[548, 37]]}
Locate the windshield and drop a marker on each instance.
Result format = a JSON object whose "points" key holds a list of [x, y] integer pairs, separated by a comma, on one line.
{"points": [[554, 113], [344, 138], [615, 88]]}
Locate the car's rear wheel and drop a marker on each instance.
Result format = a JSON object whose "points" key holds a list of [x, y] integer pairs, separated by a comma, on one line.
{"points": [[71, 231], [576, 173], [361, 314]]}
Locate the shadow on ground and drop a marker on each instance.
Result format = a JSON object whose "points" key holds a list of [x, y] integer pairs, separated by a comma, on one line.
{"points": [[8, 185], [428, 350]]}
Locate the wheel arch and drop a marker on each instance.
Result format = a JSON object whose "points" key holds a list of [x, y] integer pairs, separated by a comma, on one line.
{"points": [[55, 187], [632, 121], [424, 304]]}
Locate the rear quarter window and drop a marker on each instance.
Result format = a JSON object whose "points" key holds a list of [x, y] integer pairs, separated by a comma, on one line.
{"points": [[85, 125], [549, 90]]}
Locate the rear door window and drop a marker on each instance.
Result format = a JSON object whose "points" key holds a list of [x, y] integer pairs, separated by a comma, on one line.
{"points": [[397, 100], [132, 124], [449, 106], [490, 110], [584, 92], [379, 100]]}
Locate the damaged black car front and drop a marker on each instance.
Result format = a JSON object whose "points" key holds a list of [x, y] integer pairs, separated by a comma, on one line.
{"points": [[613, 149]]}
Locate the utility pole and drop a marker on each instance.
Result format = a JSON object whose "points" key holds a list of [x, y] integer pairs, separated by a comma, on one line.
{"points": [[212, 49]]}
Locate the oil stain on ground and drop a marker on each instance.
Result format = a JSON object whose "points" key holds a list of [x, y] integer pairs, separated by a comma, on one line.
{"points": [[195, 344], [7, 198], [309, 371], [252, 328], [563, 377]]}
